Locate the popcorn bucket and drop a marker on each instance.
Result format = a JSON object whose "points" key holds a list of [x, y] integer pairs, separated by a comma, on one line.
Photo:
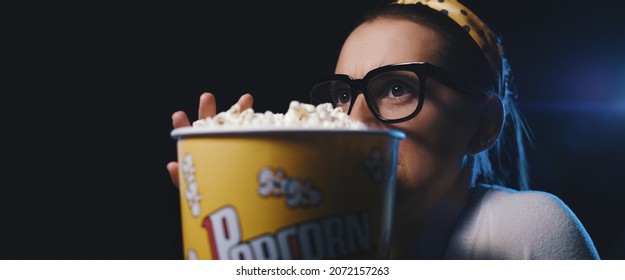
{"points": [[286, 193]]}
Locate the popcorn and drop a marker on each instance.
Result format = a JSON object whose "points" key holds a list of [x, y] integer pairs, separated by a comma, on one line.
{"points": [[299, 115]]}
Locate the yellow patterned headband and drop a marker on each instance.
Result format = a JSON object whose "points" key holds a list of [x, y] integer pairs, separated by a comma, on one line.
{"points": [[481, 34]]}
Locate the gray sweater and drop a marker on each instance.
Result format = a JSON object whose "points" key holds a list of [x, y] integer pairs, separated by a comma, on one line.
{"points": [[502, 223]]}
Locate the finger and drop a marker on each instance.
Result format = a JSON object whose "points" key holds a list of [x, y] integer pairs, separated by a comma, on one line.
{"points": [[246, 101], [180, 119], [172, 168], [208, 107]]}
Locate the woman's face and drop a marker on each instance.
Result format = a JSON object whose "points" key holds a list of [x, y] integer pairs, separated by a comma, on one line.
{"points": [[438, 138]]}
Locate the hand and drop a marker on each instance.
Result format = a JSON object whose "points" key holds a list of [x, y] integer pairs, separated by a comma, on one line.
{"points": [[206, 109]]}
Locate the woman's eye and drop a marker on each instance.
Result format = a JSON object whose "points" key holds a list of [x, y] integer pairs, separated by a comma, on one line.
{"points": [[397, 90], [343, 97]]}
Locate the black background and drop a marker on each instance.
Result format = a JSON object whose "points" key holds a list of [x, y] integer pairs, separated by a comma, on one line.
{"points": [[88, 89]]}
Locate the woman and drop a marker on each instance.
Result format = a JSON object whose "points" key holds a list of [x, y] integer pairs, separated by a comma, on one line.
{"points": [[433, 70]]}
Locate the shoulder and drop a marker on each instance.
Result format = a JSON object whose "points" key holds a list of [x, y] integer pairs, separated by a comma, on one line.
{"points": [[531, 224], [522, 203]]}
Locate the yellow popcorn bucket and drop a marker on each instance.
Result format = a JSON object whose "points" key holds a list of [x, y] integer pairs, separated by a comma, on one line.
{"points": [[286, 193]]}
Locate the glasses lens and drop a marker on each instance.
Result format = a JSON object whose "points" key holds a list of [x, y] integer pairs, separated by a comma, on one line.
{"points": [[336, 92], [395, 94]]}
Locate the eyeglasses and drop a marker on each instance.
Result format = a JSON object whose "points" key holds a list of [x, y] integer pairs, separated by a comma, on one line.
{"points": [[394, 93]]}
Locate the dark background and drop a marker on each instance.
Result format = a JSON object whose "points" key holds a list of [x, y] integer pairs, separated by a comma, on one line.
{"points": [[88, 89]]}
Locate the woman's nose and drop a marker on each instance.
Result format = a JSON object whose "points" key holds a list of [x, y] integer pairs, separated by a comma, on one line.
{"points": [[360, 111]]}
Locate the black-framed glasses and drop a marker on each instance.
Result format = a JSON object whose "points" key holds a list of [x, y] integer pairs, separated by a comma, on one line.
{"points": [[394, 93]]}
